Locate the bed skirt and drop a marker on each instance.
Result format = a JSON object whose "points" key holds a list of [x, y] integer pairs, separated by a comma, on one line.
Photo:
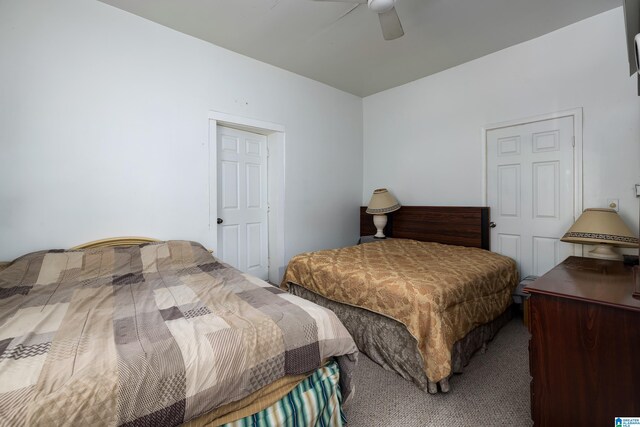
{"points": [[316, 401], [388, 342]]}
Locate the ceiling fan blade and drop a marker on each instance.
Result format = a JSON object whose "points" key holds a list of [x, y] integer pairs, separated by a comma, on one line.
{"points": [[390, 23], [347, 1]]}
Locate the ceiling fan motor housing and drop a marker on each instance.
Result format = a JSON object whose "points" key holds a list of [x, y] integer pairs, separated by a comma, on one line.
{"points": [[381, 6]]}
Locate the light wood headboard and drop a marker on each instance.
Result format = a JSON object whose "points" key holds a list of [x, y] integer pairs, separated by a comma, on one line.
{"points": [[451, 225], [116, 241], [119, 241]]}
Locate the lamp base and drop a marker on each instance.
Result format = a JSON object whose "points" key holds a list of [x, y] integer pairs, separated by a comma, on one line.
{"points": [[380, 221], [604, 251]]}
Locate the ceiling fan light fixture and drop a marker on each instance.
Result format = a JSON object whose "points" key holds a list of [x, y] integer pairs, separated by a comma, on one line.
{"points": [[381, 6], [386, 10]]}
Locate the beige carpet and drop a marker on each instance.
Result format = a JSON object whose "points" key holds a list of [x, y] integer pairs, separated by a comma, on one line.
{"points": [[492, 391]]}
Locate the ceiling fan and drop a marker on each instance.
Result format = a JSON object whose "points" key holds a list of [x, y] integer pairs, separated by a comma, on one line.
{"points": [[386, 10]]}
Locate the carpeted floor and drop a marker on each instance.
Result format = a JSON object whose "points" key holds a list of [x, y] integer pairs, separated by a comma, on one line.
{"points": [[492, 391]]}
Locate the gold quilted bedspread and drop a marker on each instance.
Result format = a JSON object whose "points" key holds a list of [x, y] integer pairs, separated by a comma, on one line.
{"points": [[439, 292]]}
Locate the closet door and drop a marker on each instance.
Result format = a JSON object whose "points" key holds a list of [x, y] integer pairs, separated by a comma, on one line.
{"points": [[530, 186]]}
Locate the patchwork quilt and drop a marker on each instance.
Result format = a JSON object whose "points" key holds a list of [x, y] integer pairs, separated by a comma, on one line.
{"points": [[439, 292], [155, 334]]}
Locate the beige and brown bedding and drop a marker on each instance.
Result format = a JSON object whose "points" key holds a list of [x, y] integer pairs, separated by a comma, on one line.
{"points": [[155, 334], [439, 292]]}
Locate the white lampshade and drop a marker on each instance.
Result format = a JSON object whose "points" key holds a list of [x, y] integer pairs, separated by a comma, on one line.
{"points": [[602, 227], [382, 202]]}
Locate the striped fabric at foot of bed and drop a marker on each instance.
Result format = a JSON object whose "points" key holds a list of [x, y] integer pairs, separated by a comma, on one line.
{"points": [[316, 401]]}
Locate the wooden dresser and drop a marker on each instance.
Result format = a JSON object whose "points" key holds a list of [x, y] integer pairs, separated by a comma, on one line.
{"points": [[584, 352]]}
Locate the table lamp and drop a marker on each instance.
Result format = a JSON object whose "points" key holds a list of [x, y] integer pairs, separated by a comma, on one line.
{"points": [[382, 202], [604, 228]]}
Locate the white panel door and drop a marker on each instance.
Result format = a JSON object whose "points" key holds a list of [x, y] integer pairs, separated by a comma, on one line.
{"points": [[530, 184], [242, 201]]}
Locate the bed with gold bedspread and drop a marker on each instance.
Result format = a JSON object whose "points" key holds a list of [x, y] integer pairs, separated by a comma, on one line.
{"points": [[439, 293]]}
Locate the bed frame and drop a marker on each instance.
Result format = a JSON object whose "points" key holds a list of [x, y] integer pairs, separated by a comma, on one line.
{"points": [[116, 241], [450, 225]]}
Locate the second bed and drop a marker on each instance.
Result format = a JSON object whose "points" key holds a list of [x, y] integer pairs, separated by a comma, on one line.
{"points": [[418, 308]]}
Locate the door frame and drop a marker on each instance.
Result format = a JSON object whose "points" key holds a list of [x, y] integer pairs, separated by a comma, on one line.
{"points": [[275, 134], [576, 114]]}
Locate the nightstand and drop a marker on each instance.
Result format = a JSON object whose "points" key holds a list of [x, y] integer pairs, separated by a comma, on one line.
{"points": [[520, 297], [369, 239]]}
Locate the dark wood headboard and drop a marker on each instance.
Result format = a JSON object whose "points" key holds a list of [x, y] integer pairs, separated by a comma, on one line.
{"points": [[451, 225]]}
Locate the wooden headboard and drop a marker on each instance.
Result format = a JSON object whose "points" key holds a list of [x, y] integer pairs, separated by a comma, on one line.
{"points": [[115, 241], [451, 225]]}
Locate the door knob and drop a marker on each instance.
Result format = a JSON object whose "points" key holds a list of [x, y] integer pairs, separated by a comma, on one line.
{"points": [[220, 221], [492, 224]]}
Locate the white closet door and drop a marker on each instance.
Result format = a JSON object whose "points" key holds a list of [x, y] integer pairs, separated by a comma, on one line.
{"points": [[242, 201], [530, 192]]}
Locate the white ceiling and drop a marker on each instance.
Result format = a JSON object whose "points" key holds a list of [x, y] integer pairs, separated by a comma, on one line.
{"points": [[343, 47]]}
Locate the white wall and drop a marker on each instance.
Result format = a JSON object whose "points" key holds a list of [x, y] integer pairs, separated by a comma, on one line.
{"points": [[104, 131], [423, 140]]}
